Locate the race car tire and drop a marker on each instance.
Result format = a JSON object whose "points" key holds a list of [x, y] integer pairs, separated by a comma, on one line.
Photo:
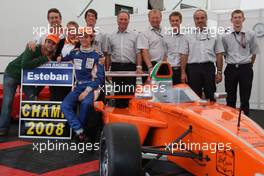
{"points": [[120, 150]]}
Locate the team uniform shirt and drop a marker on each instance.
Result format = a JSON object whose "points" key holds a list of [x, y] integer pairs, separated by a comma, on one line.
{"points": [[172, 44], [239, 48], [122, 47], [89, 68], [151, 39], [201, 47]]}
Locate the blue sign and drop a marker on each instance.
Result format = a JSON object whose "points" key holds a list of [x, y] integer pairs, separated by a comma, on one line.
{"points": [[44, 119], [50, 74]]}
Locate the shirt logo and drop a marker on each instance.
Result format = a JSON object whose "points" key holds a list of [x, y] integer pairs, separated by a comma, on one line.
{"points": [[89, 63], [78, 64]]}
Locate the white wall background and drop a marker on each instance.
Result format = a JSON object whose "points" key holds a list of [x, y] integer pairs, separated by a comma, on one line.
{"points": [[251, 4], [18, 17]]}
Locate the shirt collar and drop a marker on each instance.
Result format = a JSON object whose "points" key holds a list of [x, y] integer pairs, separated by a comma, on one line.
{"points": [[126, 31], [86, 50], [155, 29], [171, 33], [242, 30]]}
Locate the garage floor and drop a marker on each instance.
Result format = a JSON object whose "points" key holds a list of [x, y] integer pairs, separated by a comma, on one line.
{"points": [[17, 157]]}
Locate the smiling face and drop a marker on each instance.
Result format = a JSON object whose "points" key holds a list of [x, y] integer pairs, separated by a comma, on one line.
{"points": [[237, 19], [122, 21], [90, 19], [175, 22], [72, 32], [200, 19], [155, 19], [50, 46], [54, 19], [85, 40]]}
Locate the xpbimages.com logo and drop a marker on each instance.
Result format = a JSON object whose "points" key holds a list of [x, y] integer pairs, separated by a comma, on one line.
{"points": [[212, 31], [44, 30], [116, 88], [213, 147], [64, 146]]}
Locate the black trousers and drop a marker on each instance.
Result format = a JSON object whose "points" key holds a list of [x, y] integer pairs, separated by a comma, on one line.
{"points": [[201, 78], [176, 77], [242, 75], [123, 85]]}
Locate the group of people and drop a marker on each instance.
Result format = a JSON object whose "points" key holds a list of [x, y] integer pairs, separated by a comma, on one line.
{"points": [[79, 45], [196, 56], [196, 59]]}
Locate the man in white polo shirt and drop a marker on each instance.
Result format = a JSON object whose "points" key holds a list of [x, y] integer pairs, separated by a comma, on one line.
{"points": [[200, 51], [150, 41], [240, 54], [122, 47], [172, 41]]}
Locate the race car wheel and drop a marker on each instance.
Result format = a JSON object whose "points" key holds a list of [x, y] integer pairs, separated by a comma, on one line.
{"points": [[120, 150]]}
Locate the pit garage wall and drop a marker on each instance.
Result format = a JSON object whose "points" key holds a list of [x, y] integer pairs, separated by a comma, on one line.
{"points": [[252, 17]]}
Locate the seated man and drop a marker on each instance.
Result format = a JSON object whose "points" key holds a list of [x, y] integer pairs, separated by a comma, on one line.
{"points": [[89, 68], [12, 77]]}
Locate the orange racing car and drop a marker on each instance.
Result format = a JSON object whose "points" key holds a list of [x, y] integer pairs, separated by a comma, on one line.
{"points": [[205, 138]]}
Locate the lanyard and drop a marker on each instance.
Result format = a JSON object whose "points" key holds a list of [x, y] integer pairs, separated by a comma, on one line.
{"points": [[157, 33], [242, 42]]}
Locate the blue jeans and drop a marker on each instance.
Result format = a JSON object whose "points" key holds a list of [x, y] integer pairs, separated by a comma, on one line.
{"points": [[86, 106], [9, 89]]}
